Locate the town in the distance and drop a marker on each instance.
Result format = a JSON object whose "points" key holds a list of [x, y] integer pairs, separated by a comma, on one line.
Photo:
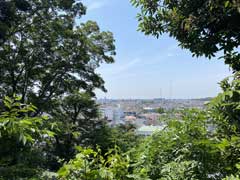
{"points": [[146, 115]]}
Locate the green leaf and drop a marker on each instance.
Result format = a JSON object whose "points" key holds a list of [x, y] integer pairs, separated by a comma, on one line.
{"points": [[49, 133], [226, 4], [26, 122], [62, 172]]}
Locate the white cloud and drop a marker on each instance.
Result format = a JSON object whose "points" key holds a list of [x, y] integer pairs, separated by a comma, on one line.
{"points": [[173, 47], [95, 4], [119, 69], [126, 66], [170, 54]]}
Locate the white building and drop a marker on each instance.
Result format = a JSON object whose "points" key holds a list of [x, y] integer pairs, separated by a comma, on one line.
{"points": [[148, 130]]}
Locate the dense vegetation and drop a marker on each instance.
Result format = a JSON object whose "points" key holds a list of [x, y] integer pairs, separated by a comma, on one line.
{"points": [[50, 125]]}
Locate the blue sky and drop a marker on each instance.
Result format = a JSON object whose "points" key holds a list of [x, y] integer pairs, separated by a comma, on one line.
{"points": [[147, 67]]}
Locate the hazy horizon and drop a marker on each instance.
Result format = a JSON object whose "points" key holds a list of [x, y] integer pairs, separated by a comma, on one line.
{"points": [[153, 98]]}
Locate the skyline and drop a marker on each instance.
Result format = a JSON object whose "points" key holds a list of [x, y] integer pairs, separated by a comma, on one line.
{"points": [[146, 67]]}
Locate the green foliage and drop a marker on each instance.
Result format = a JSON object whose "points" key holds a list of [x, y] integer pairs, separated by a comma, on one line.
{"points": [[204, 27], [160, 110], [187, 149], [8, 15], [109, 160], [105, 138], [192, 147], [50, 60], [224, 110], [232, 178], [47, 56], [206, 141], [225, 107], [91, 165], [19, 135], [179, 170], [78, 120], [15, 122], [122, 136]]}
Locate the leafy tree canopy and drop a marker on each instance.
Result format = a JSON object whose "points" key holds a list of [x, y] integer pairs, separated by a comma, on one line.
{"points": [[225, 107], [49, 53], [8, 14], [48, 57], [204, 27], [19, 136]]}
